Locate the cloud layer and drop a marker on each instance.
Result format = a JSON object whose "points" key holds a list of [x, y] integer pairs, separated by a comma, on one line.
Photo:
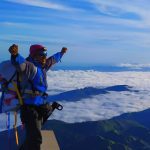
{"points": [[99, 105], [41, 3]]}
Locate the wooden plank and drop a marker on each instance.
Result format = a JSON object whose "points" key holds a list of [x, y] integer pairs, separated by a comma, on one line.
{"points": [[49, 141]]}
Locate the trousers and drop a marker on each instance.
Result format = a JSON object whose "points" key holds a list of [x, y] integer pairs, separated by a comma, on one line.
{"points": [[32, 119]]}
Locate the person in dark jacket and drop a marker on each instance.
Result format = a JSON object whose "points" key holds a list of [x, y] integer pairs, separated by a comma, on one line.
{"points": [[33, 86]]}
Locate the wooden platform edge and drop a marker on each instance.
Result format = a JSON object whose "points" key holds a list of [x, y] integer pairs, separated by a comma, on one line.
{"points": [[49, 141]]}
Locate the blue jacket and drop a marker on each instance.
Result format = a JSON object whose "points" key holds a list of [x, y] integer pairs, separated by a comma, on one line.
{"points": [[33, 75]]}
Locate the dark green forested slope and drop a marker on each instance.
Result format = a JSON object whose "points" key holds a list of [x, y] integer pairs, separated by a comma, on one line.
{"points": [[129, 131]]}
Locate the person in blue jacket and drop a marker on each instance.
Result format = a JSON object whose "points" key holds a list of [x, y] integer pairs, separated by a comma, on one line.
{"points": [[32, 76]]}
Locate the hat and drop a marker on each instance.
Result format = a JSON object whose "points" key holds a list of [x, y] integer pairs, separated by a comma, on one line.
{"points": [[36, 49]]}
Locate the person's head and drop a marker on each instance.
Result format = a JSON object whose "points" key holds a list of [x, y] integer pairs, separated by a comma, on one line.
{"points": [[38, 53]]}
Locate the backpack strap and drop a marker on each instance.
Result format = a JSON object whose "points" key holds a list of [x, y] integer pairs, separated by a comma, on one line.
{"points": [[18, 93], [4, 87], [11, 77], [36, 92]]}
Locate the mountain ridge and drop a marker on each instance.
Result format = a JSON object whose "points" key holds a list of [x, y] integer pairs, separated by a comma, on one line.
{"points": [[130, 131]]}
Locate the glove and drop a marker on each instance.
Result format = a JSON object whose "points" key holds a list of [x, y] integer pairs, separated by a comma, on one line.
{"points": [[13, 49], [64, 50]]}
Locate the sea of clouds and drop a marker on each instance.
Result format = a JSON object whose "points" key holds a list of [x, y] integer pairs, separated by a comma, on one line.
{"points": [[97, 105]]}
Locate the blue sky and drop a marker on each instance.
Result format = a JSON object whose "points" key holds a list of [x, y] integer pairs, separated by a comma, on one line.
{"points": [[95, 31]]}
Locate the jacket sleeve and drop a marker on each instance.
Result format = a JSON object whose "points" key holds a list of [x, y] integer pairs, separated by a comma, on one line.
{"points": [[53, 60], [24, 67]]}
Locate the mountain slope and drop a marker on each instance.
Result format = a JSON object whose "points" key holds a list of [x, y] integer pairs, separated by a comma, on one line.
{"points": [[130, 131]]}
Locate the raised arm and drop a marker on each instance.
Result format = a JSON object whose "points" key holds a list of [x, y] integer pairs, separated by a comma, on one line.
{"points": [[55, 58], [22, 66]]}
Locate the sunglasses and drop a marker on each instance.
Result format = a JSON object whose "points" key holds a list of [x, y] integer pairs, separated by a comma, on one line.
{"points": [[42, 53]]}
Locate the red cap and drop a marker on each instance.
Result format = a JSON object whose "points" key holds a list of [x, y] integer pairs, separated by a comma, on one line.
{"points": [[35, 49]]}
